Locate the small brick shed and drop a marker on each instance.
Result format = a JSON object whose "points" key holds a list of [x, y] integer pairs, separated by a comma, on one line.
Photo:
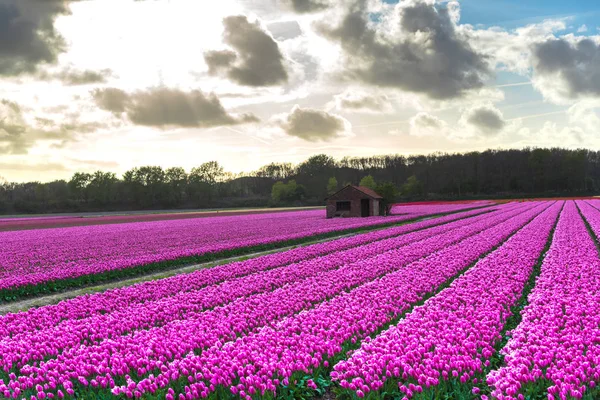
{"points": [[353, 201]]}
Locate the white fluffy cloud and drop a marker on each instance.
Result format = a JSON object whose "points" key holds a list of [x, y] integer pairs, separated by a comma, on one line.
{"points": [[425, 124], [585, 114]]}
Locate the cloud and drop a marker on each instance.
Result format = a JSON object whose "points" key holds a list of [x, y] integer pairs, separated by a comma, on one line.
{"points": [[425, 124], [257, 59], [313, 125], [27, 34], [12, 129], [308, 6], [74, 77], [33, 167], [361, 102], [164, 107], [17, 135], [567, 69], [111, 99], [552, 134], [417, 49], [586, 114], [285, 30], [582, 29], [95, 163], [511, 50], [580, 128], [564, 69], [483, 119]]}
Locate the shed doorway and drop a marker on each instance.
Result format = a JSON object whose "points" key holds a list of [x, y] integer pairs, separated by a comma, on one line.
{"points": [[365, 205]]}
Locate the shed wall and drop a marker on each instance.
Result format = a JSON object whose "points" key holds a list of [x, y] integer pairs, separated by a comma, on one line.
{"points": [[354, 196]]}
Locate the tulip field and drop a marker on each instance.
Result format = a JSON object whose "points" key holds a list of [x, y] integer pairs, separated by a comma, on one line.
{"points": [[481, 301], [42, 260]]}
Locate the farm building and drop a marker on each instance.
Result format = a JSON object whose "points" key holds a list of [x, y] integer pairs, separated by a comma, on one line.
{"points": [[353, 201]]}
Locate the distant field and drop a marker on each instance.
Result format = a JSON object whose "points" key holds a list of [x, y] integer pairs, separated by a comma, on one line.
{"points": [[16, 222]]}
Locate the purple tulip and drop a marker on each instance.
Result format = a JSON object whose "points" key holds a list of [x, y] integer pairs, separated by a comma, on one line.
{"points": [[32, 257]]}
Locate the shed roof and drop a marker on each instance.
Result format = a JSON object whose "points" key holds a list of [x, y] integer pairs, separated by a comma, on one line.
{"points": [[368, 192], [365, 190]]}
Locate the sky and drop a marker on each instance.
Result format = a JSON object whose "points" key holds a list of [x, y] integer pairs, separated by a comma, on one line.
{"points": [[114, 84]]}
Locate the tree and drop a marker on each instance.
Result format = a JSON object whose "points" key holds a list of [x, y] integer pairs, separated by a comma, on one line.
{"points": [[412, 187], [210, 172], [278, 192], [152, 182], [389, 192], [332, 185], [316, 165], [176, 179], [287, 192], [526, 172], [275, 171], [102, 187], [203, 181], [314, 172], [78, 185], [368, 182]]}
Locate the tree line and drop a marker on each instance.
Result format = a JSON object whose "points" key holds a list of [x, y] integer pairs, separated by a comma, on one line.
{"points": [[529, 172]]}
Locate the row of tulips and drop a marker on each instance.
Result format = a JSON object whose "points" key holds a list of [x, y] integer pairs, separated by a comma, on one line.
{"points": [[270, 361], [109, 363], [589, 209], [444, 345], [37, 259], [121, 298], [51, 337], [411, 208], [555, 350]]}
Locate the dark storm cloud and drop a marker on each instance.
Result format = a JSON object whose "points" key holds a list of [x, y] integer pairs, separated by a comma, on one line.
{"points": [[27, 34], [574, 67], [257, 60], [169, 107], [427, 55], [312, 125], [485, 119]]}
